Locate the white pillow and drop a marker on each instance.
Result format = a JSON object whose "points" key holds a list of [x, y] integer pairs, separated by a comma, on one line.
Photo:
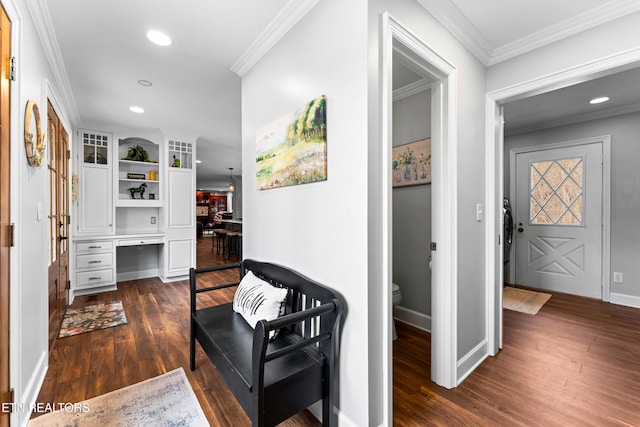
{"points": [[256, 300]]}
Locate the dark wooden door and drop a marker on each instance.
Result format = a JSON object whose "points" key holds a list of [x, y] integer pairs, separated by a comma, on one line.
{"points": [[58, 222]]}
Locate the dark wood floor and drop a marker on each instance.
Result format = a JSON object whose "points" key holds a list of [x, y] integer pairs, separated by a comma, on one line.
{"points": [[577, 362]]}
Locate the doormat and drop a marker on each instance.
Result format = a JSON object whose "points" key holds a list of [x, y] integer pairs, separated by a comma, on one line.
{"points": [[91, 318], [522, 300], [166, 400]]}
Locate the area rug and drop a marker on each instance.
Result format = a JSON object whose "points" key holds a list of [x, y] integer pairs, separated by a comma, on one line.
{"points": [[523, 301], [92, 317], [164, 401]]}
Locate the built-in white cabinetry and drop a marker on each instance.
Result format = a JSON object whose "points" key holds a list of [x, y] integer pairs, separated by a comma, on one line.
{"points": [[95, 183], [179, 251], [136, 209], [139, 173], [95, 266]]}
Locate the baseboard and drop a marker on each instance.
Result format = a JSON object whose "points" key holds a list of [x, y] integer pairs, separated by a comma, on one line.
{"points": [[626, 300], [413, 318], [343, 420], [470, 361], [89, 291], [136, 275], [31, 390], [166, 279]]}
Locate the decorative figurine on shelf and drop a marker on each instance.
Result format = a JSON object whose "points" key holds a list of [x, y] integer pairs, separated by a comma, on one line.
{"points": [[176, 162], [141, 190]]}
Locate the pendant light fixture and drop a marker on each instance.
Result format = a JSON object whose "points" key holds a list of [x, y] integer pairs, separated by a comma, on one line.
{"points": [[232, 187]]}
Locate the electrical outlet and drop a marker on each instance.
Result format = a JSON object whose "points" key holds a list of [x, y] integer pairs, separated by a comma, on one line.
{"points": [[618, 277], [153, 220]]}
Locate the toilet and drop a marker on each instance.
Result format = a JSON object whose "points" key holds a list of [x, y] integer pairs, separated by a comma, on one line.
{"points": [[396, 297]]}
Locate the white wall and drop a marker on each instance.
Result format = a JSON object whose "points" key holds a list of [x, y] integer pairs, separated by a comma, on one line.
{"points": [[625, 187], [30, 257], [318, 229]]}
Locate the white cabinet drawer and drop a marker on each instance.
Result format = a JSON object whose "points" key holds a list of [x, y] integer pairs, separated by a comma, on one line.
{"points": [[94, 261], [93, 247], [141, 241], [93, 278]]}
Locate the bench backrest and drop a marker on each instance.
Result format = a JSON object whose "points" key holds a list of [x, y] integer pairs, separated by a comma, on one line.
{"points": [[304, 293]]}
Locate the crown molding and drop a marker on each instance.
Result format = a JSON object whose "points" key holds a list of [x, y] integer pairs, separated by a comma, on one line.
{"points": [[290, 14], [411, 89], [580, 118], [453, 20], [458, 24], [602, 14], [44, 27]]}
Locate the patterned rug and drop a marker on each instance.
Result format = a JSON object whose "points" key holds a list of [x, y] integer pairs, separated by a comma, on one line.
{"points": [[91, 318], [523, 301], [167, 400]]}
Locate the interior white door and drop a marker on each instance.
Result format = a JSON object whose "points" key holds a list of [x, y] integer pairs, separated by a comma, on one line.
{"points": [[558, 219]]}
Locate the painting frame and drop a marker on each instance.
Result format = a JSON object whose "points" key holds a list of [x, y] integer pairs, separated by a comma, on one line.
{"points": [[411, 164], [292, 150]]}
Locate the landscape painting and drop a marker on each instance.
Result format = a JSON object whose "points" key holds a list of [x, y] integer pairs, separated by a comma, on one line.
{"points": [[292, 150]]}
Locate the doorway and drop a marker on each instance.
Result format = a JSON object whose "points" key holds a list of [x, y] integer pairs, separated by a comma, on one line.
{"points": [[6, 229], [558, 216], [495, 162], [399, 39]]}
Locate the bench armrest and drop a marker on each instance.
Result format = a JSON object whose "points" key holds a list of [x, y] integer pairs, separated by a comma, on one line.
{"points": [[261, 337], [193, 272]]}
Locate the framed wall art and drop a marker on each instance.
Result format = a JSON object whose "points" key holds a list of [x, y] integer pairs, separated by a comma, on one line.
{"points": [[411, 163], [292, 150]]}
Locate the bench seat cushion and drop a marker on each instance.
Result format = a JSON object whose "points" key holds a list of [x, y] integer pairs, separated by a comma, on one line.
{"points": [[228, 341]]}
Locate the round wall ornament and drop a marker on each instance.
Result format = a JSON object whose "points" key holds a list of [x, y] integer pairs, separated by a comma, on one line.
{"points": [[33, 136]]}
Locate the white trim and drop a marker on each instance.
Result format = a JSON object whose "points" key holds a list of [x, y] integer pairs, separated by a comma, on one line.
{"points": [[626, 300], [414, 88], [459, 25], [290, 14], [470, 361], [564, 78], [413, 318], [605, 141], [576, 24], [45, 29], [444, 195], [33, 387], [494, 184]]}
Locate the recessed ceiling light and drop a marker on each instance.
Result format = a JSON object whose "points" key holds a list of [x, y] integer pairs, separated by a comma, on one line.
{"points": [[599, 100], [136, 109], [145, 83], [198, 161], [159, 38]]}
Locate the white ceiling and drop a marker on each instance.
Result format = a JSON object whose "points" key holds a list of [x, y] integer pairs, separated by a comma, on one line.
{"points": [[103, 52]]}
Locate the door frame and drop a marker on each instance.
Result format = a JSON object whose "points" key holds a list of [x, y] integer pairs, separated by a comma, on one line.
{"points": [[605, 141], [444, 201], [494, 163]]}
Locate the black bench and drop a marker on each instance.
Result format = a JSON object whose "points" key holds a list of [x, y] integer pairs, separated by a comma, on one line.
{"points": [[272, 380]]}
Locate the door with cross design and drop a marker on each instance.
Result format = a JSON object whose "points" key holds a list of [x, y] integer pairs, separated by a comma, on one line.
{"points": [[558, 221]]}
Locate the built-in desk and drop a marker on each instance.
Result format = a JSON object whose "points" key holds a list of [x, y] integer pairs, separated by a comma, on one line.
{"points": [[97, 268]]}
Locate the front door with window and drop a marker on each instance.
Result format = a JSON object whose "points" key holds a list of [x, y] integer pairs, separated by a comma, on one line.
{"points": [[558, 219]]}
